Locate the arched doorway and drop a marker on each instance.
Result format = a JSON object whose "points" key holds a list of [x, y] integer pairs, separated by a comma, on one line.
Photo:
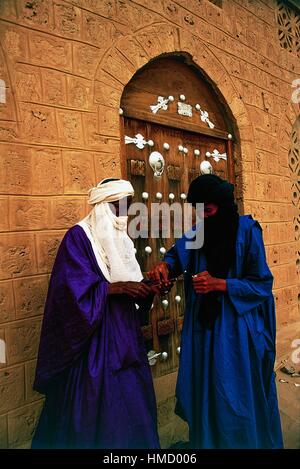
{"points": [[171, 108]]}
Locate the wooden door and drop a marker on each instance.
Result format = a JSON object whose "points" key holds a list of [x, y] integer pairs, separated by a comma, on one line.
{"points": [[192, 136], [163, 326]]}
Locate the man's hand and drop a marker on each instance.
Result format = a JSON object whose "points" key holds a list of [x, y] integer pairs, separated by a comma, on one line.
{"points": [[205, 283], [135, 290], [160, 275], [159, 272]]}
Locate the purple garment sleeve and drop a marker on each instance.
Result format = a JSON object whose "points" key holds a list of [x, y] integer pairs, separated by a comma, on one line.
{"points": [[75, 305]]}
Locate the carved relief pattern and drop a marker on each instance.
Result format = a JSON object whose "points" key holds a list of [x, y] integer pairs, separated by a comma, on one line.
{"points": [[288, 20]]}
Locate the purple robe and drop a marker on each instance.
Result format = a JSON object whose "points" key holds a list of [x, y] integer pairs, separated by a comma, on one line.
{"points": [[92, 362]]}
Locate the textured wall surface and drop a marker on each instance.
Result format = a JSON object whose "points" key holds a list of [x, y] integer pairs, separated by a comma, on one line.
{"points": [[65, 65]]}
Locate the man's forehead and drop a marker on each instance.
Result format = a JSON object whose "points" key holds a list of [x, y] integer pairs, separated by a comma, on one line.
{"points": [[210, 204]]}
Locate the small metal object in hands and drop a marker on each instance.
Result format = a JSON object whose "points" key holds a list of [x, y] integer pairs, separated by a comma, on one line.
{"points": [[157, 283]]}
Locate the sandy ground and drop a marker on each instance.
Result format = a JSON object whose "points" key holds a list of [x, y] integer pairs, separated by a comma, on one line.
{"points": [[289, 405]]}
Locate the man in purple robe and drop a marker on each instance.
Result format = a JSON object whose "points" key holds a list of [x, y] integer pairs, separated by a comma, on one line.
{"points": [[92, 362]]}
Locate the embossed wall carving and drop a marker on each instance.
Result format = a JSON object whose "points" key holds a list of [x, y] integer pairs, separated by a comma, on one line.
{"points": [[288, 19]]}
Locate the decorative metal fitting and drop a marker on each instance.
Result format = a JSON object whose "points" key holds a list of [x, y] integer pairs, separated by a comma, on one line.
{"points": [[206, 168], [153, 356], [157, 163], [217, 156], [184, 109], [204, 116], [162, 103], [139, 141]]}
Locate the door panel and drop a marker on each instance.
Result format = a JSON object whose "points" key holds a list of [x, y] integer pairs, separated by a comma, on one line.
{"points": [[163, 326]]}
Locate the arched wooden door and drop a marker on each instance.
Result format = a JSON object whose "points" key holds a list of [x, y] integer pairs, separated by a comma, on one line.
{"points": [[168, 107]]}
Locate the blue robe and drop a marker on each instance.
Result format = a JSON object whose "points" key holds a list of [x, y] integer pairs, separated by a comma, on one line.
{"points": [[92, 362], [226, 387]]}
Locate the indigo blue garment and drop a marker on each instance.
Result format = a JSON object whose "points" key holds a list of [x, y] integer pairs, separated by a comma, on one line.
{"points": [[226, 387], [92, 362]]}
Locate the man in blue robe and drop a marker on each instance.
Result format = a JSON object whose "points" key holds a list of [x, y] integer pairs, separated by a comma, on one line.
{"points": [[92, 362], [226, 389]]}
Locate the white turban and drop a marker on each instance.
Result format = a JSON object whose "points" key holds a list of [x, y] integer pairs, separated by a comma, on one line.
{"points": [[110, 191], [113, 248]]}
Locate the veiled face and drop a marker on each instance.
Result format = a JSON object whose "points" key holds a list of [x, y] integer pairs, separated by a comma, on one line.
{"points": [[210, 209], [120, 207]]}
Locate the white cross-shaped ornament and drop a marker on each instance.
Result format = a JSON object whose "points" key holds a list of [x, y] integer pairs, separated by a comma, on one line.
{"points": [[162, 103], [139, 141], [217, 156]]}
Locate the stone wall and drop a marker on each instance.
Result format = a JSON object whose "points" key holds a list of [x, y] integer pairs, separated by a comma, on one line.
{"points": [[65, 65]]}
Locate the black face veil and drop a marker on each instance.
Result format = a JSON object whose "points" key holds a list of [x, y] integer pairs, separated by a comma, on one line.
{"points": [[220, 231]]}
